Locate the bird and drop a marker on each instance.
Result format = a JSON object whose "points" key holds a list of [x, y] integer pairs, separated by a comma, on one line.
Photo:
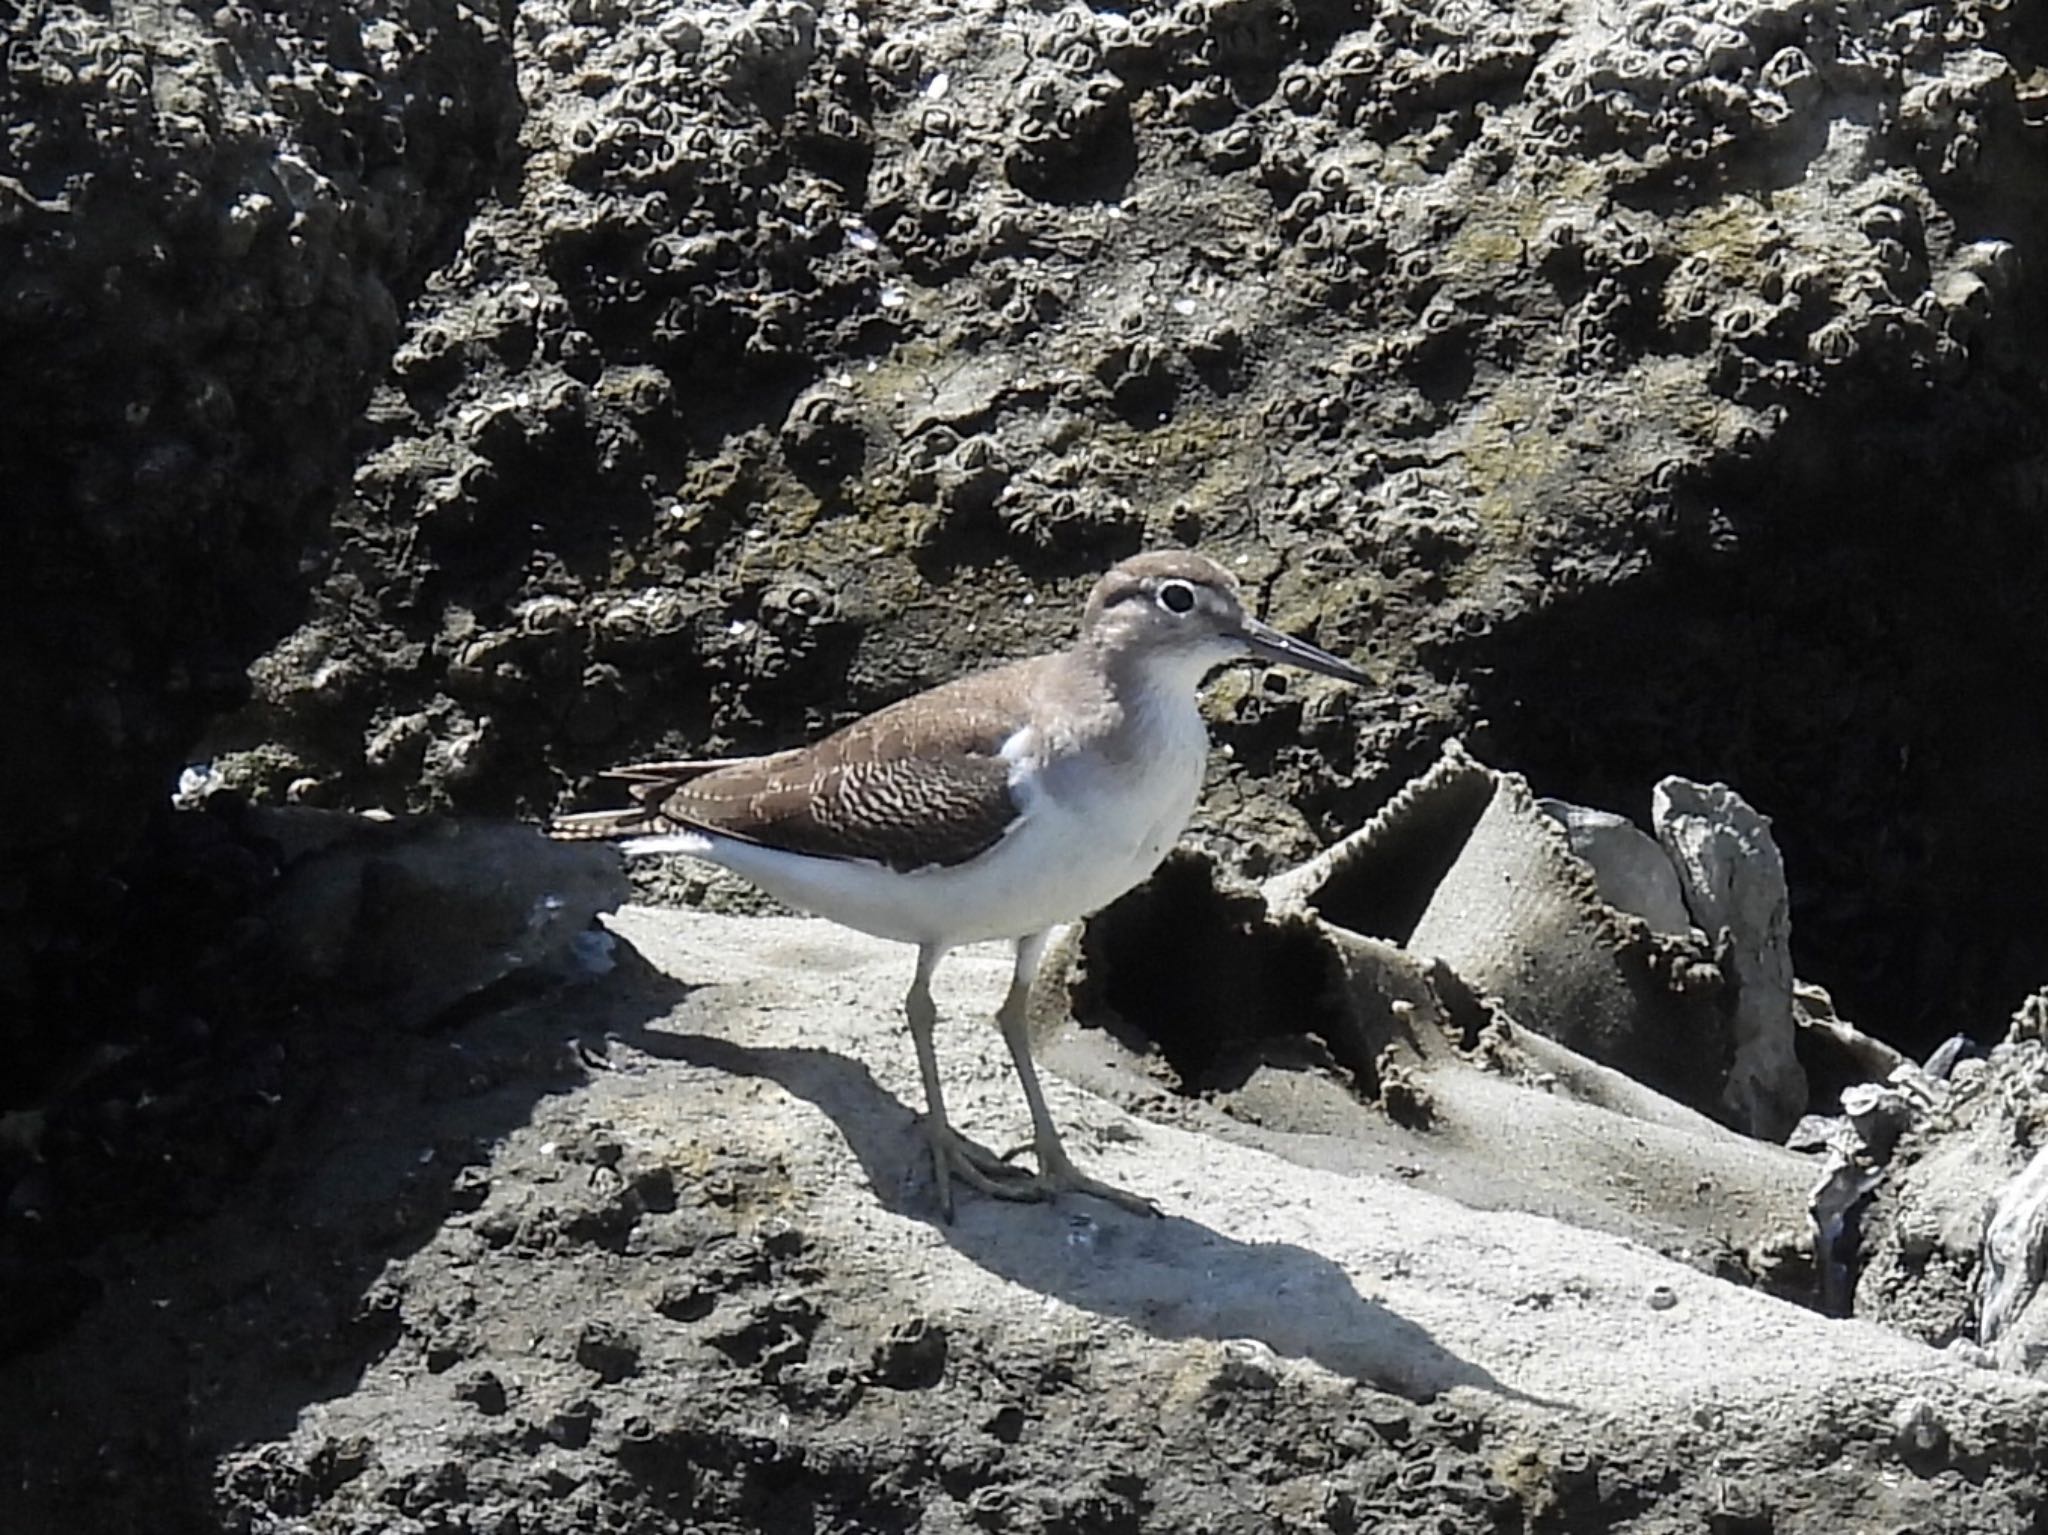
{"points": [[999, 805]]}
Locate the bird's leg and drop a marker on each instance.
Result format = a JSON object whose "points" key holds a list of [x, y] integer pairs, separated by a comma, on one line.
{"points": [[951, 1153], [1056, 1171]]}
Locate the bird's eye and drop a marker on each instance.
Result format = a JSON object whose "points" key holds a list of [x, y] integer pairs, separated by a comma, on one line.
{"points": [[1177, 597]]}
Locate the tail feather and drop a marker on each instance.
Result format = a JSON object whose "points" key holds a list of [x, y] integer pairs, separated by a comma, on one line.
{"points": [[678, 772], [650, 784], [599, 825]]}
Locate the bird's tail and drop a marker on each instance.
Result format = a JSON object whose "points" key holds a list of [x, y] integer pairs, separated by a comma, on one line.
{"points": [[668, 774], [600, 825], [649, 783]]}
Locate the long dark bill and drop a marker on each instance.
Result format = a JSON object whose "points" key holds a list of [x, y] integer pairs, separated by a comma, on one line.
{"points": [[1269, 644]]}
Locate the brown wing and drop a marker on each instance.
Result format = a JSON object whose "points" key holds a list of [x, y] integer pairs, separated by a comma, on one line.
{"points": [[917, 784]]}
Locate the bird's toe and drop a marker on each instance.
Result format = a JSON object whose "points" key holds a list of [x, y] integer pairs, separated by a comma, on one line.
{"points": [[1080, 1183], [1058, 1175], [955, 1156]]}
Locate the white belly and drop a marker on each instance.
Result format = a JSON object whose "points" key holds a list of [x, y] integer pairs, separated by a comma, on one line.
{"points": [[1087, 834]]}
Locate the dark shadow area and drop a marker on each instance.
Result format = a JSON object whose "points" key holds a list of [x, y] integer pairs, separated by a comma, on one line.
{"points": [[1092, 1256], [1144, 397], [1443, 372], [176, 437], [1219, 988], [236, 1271]]}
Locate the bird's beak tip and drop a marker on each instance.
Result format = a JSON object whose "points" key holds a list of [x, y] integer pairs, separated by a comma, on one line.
{"points": [[1266, 643]]}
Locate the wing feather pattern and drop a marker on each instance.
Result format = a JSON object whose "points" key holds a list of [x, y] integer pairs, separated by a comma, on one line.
{"points": [[918, 784]]}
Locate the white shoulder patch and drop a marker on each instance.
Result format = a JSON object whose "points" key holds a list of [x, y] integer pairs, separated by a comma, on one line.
{"points": [[1024, 751]]}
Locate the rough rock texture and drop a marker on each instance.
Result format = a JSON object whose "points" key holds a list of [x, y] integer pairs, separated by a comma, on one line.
{"points": [[1259, 1017], [1924, 1235], [703, 1289], [1537, 1047], [211, 222], [1734, 882], [1651, 385]]}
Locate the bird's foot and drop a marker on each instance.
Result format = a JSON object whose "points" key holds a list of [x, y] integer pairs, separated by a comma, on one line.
{"points": [[954, 1155], [999, 1177], [1058, 1175]]}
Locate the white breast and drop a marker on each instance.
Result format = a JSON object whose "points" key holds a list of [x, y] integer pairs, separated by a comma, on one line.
{"points": [[1094, 824]]}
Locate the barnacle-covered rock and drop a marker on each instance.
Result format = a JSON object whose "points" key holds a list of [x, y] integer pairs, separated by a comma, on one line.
{"points": [[1068, 521], [1529, 311], [821, 437], [973, 475], [1648, 385], [1138, 372], [1072, 136]]}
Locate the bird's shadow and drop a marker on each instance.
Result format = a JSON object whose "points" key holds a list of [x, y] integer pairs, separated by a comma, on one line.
{"points": [[1173, 1277]]}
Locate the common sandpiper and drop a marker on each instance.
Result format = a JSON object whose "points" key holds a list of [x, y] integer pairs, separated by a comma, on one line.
{"points": [[998, 805]]}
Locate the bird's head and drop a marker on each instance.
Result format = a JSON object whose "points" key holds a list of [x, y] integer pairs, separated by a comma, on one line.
{"points": [[1176, 615]]}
